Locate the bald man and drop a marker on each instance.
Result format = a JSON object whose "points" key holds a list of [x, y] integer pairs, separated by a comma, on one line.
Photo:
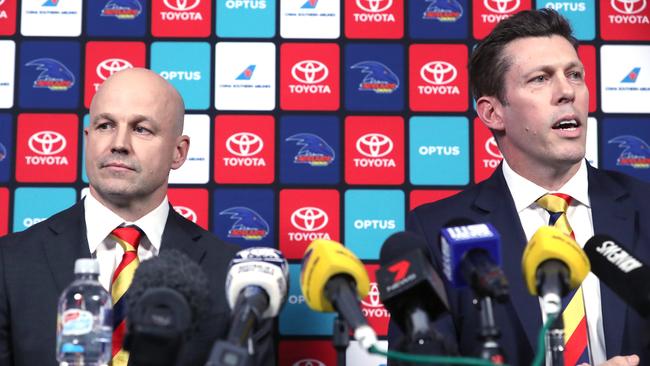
{"points": [[133, 141]]}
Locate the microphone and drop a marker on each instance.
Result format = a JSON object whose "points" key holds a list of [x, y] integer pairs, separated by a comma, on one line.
{"points": [[471, 256], [553, 265], [624, 274], [409, 286], [332, 278], [167, 300], [256, 289]]}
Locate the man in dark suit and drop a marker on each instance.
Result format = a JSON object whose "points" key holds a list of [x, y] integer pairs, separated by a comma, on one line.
{"points": [[133, 141], [530, 92]]}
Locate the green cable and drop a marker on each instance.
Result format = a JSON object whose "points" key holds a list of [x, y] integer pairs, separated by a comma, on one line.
{"points": [[541, 341], [430, 359]]}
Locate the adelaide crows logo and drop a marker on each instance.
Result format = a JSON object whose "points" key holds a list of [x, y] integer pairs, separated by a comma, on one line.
{"points": [[314, 150], [379, 78], [122, 9], [636, 152], [443, 10], [249, 225], [54, 75]]}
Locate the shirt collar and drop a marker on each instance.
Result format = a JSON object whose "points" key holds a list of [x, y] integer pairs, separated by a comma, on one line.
{"points": [[524, 192], [100, 221]]}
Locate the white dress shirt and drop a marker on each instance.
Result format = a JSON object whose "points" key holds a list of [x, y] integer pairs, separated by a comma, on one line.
{"points": [[100, 222], [532, 217]]}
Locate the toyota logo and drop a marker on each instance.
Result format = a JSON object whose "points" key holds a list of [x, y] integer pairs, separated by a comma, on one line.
{"points": [[373, 297], [182, 5], [374, 145], [308, 362], [244, 144], [438, 72], [110, 66], [47, 143], [492, 148], [629, 6], [186, 212], [501, 6], [309, 219], [374, 6], [309, 71]]}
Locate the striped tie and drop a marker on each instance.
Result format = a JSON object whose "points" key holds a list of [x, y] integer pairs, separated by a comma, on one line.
{"points": [[575, 322], [128, 238]]}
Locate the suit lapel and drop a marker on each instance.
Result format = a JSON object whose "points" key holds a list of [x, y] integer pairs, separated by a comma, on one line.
{"points": [[179, 234], [495, 200], [613, 214], [64, 243]]}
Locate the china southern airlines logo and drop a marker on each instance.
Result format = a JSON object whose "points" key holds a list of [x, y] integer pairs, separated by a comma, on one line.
{"points": [[636, 152], [443, 10], [122, 9], [314, 150], [309, 4], [54, 75], [249, 225], [247, 74], [631, 76], [51, 3], [378, 77]]}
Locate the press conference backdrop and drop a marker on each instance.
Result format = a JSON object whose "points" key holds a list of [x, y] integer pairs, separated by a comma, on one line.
{"points": [[308, 118]]}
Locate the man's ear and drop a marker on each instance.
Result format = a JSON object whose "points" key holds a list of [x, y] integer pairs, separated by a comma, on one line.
{"points": [[181, 150], [490, 111]]}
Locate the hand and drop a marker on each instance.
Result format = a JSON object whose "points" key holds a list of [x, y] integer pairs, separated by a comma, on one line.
{"points": [[631, 360]]}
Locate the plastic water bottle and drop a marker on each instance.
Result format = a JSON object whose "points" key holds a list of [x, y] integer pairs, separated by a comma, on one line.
{"points": [[85, 318]]}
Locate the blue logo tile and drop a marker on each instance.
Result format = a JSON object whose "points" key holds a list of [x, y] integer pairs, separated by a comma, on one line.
{"points": [[49, 75], [296, 318], [124, 18], [371, 216], [244, 216], [625, 146], [33, 205], [581, 14], [439, 150], [438, 19], [251, 18], [310, 150], [187, 66], [374, 77], [6, 146]]}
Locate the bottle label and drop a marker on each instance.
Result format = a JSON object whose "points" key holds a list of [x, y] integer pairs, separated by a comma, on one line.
{"points": [[77, 322]]}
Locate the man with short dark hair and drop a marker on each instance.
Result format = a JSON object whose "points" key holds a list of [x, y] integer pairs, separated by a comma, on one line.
{"points": [[133, 141], [529, 86]]}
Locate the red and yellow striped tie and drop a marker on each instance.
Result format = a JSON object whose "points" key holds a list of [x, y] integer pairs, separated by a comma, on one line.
{"points": [[575, 322], [128, 238]]}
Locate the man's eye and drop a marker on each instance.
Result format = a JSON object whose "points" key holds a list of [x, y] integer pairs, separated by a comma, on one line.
{"points": [[142, 130]]}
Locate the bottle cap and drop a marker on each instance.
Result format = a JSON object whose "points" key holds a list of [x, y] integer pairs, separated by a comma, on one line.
{"points": [[86, 265]]}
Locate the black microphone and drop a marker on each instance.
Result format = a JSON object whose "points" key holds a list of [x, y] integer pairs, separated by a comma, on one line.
{"points": [[624, 274], [413, 292], [166, 302]]}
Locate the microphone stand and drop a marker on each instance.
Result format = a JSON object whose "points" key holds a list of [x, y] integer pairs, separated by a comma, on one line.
{"points": [[341, 339], [488, 333], [555, 344]]}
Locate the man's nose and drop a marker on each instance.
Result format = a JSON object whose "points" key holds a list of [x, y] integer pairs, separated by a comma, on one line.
{"points": [[121, 141]]}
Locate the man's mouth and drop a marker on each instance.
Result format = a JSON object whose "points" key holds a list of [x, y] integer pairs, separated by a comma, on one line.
{"points": [[567, 125]]}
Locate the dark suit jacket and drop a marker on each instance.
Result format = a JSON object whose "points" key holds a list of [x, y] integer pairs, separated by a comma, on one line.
{"points": [[38, 263], [620, 207]]}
